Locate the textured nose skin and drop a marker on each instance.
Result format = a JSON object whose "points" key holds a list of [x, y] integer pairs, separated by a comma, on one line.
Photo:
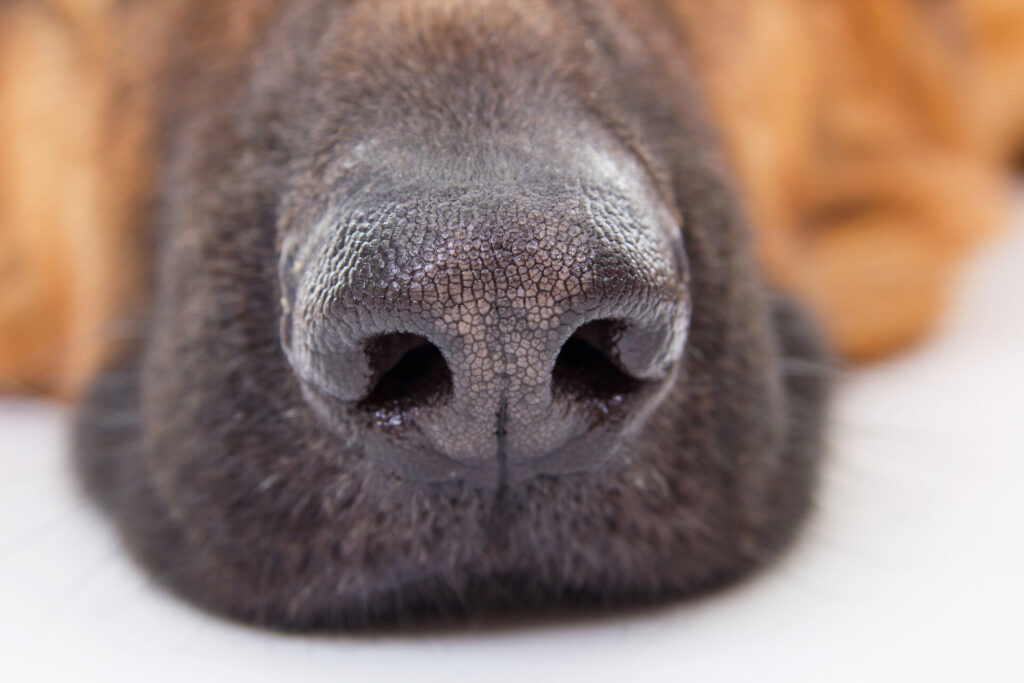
{"points": [[471, 332]]}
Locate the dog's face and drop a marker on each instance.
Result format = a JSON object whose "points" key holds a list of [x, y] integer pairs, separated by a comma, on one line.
{"points": [[453, 312]]}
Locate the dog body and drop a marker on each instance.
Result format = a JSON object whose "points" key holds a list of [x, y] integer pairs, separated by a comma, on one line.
{"points": [[448, 306]]}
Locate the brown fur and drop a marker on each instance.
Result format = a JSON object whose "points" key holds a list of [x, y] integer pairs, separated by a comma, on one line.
{"points": [[868, 137]]}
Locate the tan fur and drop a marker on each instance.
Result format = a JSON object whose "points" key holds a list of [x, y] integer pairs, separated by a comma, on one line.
{"points": [[74, 169], [868, 137]]}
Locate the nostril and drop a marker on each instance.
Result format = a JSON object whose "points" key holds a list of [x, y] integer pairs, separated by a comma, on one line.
{"points": [[410, 371], [586, 366]]}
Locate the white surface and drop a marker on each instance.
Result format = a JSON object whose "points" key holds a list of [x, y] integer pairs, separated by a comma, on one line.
{"points": [[913, 568]]}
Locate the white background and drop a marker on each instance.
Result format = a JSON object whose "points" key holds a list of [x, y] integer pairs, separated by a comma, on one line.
{"points": [[912, 568]]}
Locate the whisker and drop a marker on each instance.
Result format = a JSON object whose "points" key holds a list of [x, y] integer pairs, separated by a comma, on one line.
{"points": [[24, 540], [76, 586], [799, 368], [118, 330], [97, 417]]}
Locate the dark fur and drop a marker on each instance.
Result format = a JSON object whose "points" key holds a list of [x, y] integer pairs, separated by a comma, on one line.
{"points": [[232, 492]]}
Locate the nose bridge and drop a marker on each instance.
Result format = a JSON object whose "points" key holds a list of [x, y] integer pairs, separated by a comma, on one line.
{"points": [[468, 327], [497, 322], [506, 306]]}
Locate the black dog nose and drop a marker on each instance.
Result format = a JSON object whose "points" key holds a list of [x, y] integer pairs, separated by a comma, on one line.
{"points": [[482, 338]]}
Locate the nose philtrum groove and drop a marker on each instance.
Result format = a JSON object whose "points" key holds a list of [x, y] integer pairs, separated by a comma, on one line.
{"points": [[501, 433]]}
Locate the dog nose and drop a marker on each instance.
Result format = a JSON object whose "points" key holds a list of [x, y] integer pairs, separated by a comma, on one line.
{"points": [[489, 342]]}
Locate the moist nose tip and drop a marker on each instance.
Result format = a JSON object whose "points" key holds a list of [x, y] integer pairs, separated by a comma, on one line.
{"points": [[601, 373], [421, 394], [420, 355]]}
